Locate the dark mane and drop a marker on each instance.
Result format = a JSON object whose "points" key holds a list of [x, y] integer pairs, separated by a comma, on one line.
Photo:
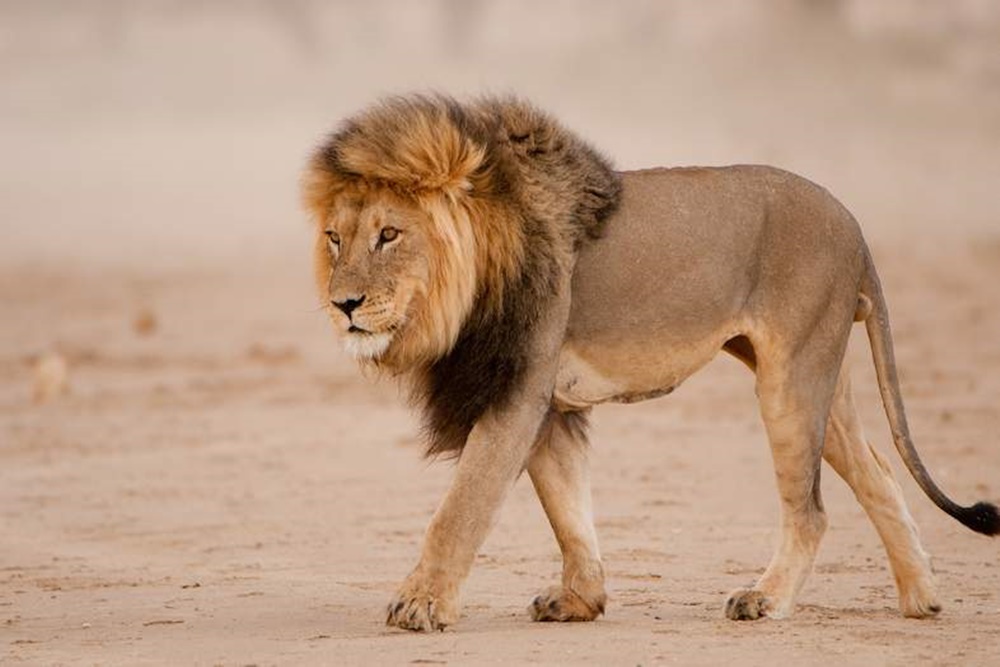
{"points": [[532, 189], [532, 161]]}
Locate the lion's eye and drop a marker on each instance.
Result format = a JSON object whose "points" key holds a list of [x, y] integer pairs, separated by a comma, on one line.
{"points": [[332, 237], [388, 235]]}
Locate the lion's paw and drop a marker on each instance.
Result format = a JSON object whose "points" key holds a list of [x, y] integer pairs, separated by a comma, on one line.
{"points": [[747, 604], [920, 604], [420, 611], [561, 604]]}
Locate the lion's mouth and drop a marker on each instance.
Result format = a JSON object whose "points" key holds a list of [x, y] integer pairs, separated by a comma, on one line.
{"points": [[389, 330], [366, 345]]}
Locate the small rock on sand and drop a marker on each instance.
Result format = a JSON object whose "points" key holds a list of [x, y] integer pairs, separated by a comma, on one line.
{"points": [[51, 377], [145, 323]]}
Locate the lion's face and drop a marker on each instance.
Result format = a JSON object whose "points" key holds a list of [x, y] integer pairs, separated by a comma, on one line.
{"points": [[386, 274], [373, 257]]}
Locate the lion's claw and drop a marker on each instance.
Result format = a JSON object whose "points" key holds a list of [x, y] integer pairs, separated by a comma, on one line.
{"points": [[419, 612], [561, 604], [746, 604]]}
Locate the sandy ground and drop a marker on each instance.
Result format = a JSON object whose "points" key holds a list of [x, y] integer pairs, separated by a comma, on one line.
{"points": [[226, 489], [221, 486]]}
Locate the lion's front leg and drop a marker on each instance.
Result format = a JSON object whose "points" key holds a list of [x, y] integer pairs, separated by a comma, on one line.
{"points": [[493, 457], [559, 471], [491, 462]]}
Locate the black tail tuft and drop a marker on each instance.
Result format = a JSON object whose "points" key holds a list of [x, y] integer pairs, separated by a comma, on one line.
{"points": [[981, 517]]}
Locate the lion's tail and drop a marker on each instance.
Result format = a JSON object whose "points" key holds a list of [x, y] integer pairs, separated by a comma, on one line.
{"points": [[981, 517]]}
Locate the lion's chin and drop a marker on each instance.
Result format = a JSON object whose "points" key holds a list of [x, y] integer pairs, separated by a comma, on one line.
{"points": [[366, 346]]}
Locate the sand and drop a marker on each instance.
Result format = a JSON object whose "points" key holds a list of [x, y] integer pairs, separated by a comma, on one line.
{"points": [[217, 484]]}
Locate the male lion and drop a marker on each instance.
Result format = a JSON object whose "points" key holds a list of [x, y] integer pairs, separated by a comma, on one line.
{"points": [[497, 262]]}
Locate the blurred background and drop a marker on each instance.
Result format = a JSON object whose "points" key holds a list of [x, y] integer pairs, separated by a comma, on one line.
{"points": [[174, 413], [168, 133]]}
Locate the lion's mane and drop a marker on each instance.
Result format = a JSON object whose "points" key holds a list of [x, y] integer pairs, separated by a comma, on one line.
{"points": [[511, 194]]}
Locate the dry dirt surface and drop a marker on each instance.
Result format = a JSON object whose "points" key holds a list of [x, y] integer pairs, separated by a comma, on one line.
{"points": [[221, 487], [205, 479]]}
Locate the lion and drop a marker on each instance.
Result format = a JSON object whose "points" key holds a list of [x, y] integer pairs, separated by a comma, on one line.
{"points": [[501, 267]]}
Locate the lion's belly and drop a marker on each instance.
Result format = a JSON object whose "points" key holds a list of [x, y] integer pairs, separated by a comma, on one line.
{"points": [[634, 371]]}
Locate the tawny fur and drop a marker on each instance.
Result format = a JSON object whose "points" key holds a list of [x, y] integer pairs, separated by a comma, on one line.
{"points": [[494, 260]]}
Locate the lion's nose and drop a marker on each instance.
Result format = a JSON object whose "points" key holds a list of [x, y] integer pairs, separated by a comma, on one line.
{"points": [[347, 306]]}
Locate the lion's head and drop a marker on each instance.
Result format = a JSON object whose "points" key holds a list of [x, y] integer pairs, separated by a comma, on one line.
{"points": [[441, 231], [397, 273], [397, 257]]}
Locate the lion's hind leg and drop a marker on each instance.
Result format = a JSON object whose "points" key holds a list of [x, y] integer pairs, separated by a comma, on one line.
{"points": [[559, 470], [795, 391], [872, 481]]}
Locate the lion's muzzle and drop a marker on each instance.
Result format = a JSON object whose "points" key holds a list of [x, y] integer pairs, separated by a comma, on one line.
{"points": [[347, 305]]}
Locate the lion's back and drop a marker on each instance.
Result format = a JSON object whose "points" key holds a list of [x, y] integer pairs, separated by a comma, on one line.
{"points": [[688, 245]]}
